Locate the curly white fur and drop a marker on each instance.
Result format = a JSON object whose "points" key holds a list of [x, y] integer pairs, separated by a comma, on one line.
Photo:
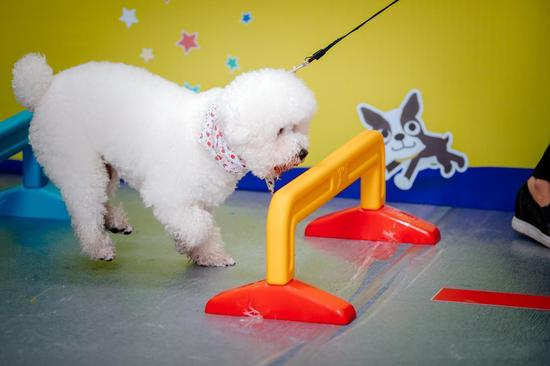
{"points": [[100, 121], [31, 79]]}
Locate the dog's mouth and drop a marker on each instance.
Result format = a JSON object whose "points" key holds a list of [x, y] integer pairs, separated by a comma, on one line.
{"points": [[403, 146], [277, 171], [280, 169]]}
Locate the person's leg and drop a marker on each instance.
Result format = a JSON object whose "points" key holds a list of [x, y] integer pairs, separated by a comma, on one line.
{"points": [[540, 190], [539, 183], [532, 215]]}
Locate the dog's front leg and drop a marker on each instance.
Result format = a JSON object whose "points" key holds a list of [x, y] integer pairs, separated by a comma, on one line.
{"points": [[195, 234], [209, 254], [403, 178], [392, 166]]}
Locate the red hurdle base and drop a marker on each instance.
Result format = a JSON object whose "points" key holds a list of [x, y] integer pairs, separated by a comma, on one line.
{"points": [[296, 301], [385, 224]]}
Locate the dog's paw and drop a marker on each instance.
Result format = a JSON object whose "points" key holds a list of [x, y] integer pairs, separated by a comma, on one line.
{"points": [[116, 221], [120, 230], [402, 182], [108, 258], [447, 169], [207, 255], [103, 254], [460, 162], [224, 260]]}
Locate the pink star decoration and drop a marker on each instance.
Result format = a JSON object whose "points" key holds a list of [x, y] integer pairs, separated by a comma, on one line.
{"points": [[188, 41]]}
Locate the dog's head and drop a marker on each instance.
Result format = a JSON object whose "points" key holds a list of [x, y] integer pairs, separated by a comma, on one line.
{"points": [[265, 117], [401, 128]]}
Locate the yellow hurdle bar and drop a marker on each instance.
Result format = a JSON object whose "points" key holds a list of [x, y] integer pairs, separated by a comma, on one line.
{"points": [[363, 156]]}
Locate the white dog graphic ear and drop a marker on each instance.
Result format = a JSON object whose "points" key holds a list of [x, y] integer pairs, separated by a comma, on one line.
{"points": [[372, 119], [411, 106]]}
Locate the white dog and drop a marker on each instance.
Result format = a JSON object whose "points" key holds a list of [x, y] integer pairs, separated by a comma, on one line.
{"points": [[184, 152]]}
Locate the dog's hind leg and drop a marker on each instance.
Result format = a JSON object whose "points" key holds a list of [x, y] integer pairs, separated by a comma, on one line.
{"points": [[116, 220], [83, 182]]}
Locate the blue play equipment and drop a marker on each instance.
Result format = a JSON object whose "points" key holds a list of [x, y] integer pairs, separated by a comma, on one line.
{"points": [[36, 197]]}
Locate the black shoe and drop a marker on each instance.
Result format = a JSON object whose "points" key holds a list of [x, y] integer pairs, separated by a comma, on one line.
{"points": [[530, 219]]}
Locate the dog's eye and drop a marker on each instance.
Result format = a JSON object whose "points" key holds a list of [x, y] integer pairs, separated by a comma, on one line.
{"points": [[386, 134], [281, 131], [412, 128]]}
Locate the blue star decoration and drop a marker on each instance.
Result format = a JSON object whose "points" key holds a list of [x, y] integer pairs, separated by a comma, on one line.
{"points": [[232, 63], [128, 17], [194, 89], [246, 17]]}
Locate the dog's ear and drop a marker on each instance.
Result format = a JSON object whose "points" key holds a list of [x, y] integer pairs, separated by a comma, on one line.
{"points": [[411, 107], [371, 118]]}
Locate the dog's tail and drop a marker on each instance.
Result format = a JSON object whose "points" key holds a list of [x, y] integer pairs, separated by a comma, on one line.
{"points": [[32, 77]]}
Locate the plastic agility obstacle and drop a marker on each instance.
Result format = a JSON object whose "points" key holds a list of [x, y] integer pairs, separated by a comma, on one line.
{"points": [[281, 296], [35, 198]]}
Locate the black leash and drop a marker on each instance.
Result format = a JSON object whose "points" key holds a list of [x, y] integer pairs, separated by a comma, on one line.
{"points": [[317, 55]]}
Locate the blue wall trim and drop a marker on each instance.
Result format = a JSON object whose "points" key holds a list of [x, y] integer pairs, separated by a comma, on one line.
{"points": [[478, 187]]}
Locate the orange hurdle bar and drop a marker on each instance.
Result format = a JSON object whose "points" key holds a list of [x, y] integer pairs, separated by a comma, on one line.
{"points": [[281, 296]]}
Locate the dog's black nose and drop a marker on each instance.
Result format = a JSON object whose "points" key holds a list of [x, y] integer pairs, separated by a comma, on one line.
{"points": [[302, 155], [399, 136]]}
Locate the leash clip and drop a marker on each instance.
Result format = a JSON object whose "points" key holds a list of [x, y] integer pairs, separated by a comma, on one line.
{"points": [[302, 65]]}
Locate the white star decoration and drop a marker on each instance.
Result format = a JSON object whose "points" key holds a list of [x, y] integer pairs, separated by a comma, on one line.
{"points": [[128, 17], [147, 54]]}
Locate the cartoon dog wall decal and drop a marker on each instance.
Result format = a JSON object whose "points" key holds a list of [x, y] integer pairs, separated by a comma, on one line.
{"points": [[410, 147]]}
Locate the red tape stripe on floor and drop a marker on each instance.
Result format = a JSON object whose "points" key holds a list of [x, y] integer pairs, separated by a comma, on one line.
{"points": [[493, 298]]}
